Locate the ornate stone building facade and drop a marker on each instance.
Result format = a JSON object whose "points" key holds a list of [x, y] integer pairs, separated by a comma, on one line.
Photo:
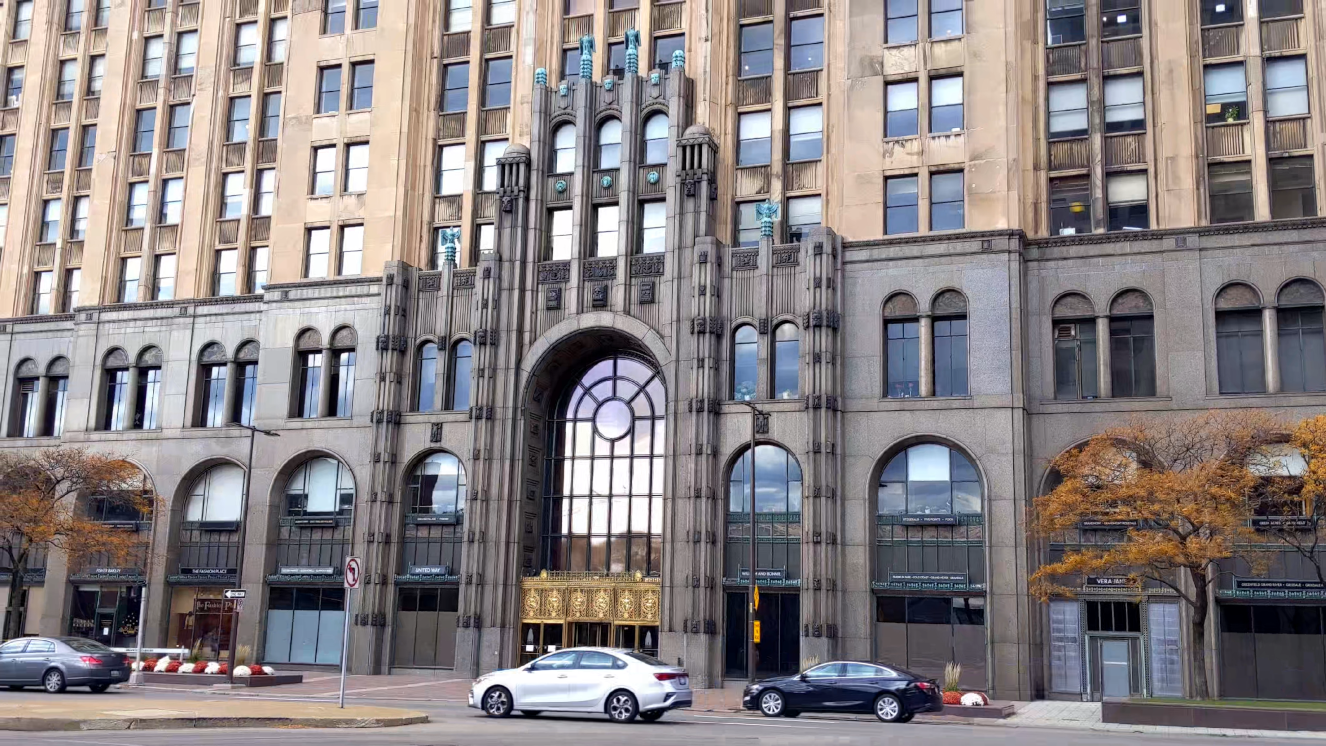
{"points": [[508, 314]]}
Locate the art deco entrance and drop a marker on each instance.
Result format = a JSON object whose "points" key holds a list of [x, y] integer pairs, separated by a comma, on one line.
{"points": [[572, 609]]}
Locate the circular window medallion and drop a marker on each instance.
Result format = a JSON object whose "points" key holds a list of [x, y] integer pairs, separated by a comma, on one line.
{"points": [[613, 419]]}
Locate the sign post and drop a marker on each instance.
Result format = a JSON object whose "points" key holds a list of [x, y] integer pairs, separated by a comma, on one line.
{"points": [[352, 574]]}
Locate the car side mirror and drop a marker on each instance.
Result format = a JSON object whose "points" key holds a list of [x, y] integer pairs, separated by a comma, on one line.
{"points": [[531, 668], [803, 677]]}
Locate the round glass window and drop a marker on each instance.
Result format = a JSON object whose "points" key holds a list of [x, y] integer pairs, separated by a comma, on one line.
{"points": [[613, 419]]}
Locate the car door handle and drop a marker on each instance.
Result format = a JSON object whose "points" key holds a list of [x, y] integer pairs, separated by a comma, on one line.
{"points": [[562, 676], [608, 676]]}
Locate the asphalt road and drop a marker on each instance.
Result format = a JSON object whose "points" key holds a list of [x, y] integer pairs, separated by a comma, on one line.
{"points": [[455, 725]]}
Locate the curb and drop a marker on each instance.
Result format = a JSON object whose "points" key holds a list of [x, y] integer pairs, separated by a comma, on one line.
{"points": [[29, 724]]}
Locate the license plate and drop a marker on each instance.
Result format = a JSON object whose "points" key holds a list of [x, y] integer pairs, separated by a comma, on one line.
{"points": [[115, 674]]}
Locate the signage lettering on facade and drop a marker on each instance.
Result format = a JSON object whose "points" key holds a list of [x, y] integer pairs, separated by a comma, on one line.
{"points": [[213, 606], [1276, 584], [928, 577], [928, 520], [444, 570], [765, 573], [1111, 581], [1282, 521], [306, 570], [1098, 523], [206, 571]]}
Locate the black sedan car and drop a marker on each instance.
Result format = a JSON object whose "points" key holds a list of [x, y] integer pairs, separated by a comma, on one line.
{"points": [[54, 663], [892, 694]]}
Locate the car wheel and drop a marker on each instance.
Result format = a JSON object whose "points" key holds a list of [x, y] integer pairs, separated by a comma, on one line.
{"points": [[771, 703], [792, 714], [99, 688], [888, 708], [53, 681], [497, 702], [622, 707], [531, 713], [652, 715]]}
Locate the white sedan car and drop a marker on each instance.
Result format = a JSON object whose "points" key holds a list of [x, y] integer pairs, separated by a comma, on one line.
{"points": [[619, 683]]}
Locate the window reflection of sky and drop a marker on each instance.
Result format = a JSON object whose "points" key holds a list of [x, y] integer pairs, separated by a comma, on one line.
{"points": [[929, 479], [777, 482]]}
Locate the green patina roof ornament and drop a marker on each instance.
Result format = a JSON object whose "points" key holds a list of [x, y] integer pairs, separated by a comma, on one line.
{"points": [[606, 181], [652, 177], [449, 237], [560, 186], [632, 51], [587, 57], [678, 59], [654, 78], [541, 76], [767, 212]]}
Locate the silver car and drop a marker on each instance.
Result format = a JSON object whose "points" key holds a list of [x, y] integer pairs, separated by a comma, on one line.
{"points": [[54, 663]]}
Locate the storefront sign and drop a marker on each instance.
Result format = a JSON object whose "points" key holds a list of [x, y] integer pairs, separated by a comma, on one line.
{"points": [[1282, 521], [1112, 581], [314, 522], [207, 571], [434, 518], [213, 606], [115, 571], [929, 520], [950, 578], [1100, 523], [1276, 584], [218, 526], [430, 570], [765, 573], [302, 570]]}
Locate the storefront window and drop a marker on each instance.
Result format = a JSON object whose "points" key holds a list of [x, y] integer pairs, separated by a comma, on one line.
{"points": [[200, 620], [924, 633], [107, 613], [426, 627], [322, 486], [304, 625], [437, 487]]}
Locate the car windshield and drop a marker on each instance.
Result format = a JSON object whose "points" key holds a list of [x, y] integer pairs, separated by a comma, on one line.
{"points": [[86, 646], [649, 659]]}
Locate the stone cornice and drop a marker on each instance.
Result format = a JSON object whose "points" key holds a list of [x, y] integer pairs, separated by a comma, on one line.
{"points": [[315, 284], [932, 238], [1224, 229]]}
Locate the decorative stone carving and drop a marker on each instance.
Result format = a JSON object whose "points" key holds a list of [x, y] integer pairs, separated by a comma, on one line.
{"points": [[587, 57], [552, 298], [606, 181], [949, 302], [435, 433], [678, 59], [58, 367], [599, 296], [212, 353], [646, 292], [647, 265], [900, 304], [541, 76], [745, 259], [560, 186], [1299, 293], [598, 269], [28, 369], [767, 212], [430, 283], [151, 358], [463, 279], [787, 256], [652, 177], [654, 78], [344, 337], [1136, 301], [309, 339], [632, 51], [1072, 305], [550, 272]]}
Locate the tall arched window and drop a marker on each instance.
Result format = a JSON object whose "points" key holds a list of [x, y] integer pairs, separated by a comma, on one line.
{"points": [[1302, 349], [1076, 375], [603, 493], [115, 391], [787, 361], [147, 413], [745, 362], [950, 334], [437, 487], [929, 479], [425, 377], [777, 504], [342, 380], [458, 380], [610, 144], [246, 383], [1132, 345], [57, 394], [902, 336], [213, 369], [564, 149], [1239, 351], [308, 394], [27, 385], [217, 496], [656, 139], [321, 486]]}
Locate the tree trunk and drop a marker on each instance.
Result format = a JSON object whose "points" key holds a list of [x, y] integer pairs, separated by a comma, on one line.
{"points": [[1201, 606], [13, 614]]}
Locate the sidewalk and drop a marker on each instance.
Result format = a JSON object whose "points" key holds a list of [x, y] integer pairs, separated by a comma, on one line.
{"points": [[74, 713]]}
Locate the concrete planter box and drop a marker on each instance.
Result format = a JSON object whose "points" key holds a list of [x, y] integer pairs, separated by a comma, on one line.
{"points": [[1206, 716], [203, 679], [993, 711]]}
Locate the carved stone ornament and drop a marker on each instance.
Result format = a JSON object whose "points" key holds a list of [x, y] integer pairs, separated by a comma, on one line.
{"points": [[550, 272], [430, 283], [309, 339], [463, 278], [212, 353], [552, 299], [788, 256], [646, 292], [598, 269], [652, 177], [151, 358], [560, 186], [58, 367], [599, 296], [508, 203], [541, 76], [606, 181], [654, 78], [647, 265], [28, 369], [344, 337], [745, 259]]}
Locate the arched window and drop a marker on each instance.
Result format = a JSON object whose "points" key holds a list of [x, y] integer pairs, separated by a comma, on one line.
{"points": [[342, 381], [929, 479], [213, 369], [777, 482], [950, 334], [603, 493], [787, 361], [426, 377], [745, 362], [1076, 375], [564, 149], [321, 486], [1239, 353], [246, 383], [27, 398], [1132, 345], [458, 380], [308, 396], [1302, 349], [610, 144], [777, 517], [217, 496], [147, 414], [57, 393], [902, 336], [115, 391], [437, 487], [656, 139]]}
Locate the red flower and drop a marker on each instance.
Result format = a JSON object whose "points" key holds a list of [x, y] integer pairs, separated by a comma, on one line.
{"points": [[150, 664], [256, 670], [952, 698], [225, 669], [173, 667]]}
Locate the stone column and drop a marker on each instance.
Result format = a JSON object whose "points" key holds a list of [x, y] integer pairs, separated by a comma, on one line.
{"points": [[1104, 384], [1270, 349], [927, 335], [227, 399]]}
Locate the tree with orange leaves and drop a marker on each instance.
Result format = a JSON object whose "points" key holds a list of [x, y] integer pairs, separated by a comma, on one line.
{"points": [[1294, 499], [39, 509], [1184, 490]]}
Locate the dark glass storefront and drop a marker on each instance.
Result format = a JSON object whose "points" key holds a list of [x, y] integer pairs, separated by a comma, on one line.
{"points": [[106, 613], [304, 625], [1273, 651], [924, 633], [779, 649], [426, 627]]}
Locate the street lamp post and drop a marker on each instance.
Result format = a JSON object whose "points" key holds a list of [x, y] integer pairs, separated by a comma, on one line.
{"points": [[243, 525], [755, 414]]}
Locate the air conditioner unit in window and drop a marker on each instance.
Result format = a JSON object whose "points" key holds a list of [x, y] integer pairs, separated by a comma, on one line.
{"points": [[1065, 331]]}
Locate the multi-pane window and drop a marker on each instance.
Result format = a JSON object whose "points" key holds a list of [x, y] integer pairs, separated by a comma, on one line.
{"points": [[333, 17], [246, 394], [571, 64], [664, 46], [352, 249], [1070, 206], [492, 150], [366, 14], [264, 192], [458, 383], [1124, 110], [900, 21], [227, 272], [460, 15], [903, 357], [87, 150], [946, 202], [617, 59], [237, 121], [564, 149], [1280, 8], [102, 18], [329, 89], [803, 213], [1226, 93], [946, 104], [1068, 110], [310, 384], [177, 136], [756, 50], [901, 101], [806, 50], [78, 226], [116, 400], [450, 170], [324, 171], [14, 77], [487, 238], [172, 202], [653, 227], [425, 377], [900, 205], [50, 221], [316, 263], [456, 87], [186, 52], [58, 155], [271, 116], [68, 81], [232, 195], [610, 144], [22, 20], [1120, 18], [72, 279], [1286, 87], [361, 91], [945, 18], [950, 356], [96, 74], [787, 361], [278, 39], [213, 395], [153, 49], [1302, 344], [258, 269], [130, 273], [1126, 202], [805, 133], [559, 234], [745, 363], [164, 277], [497, 83], [1132, 356], [928, 479], [356, 168], [748, 225], [656, 139], [1220, 12], [43, 289], [343, 382], [1239, 351], [754, 147], [145, 127], [606, 223], [1293, 189], [501, 12], [73, 15], [136, 214], [246, 45], [1075, 372], [7, 155], [1230, 188]]}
